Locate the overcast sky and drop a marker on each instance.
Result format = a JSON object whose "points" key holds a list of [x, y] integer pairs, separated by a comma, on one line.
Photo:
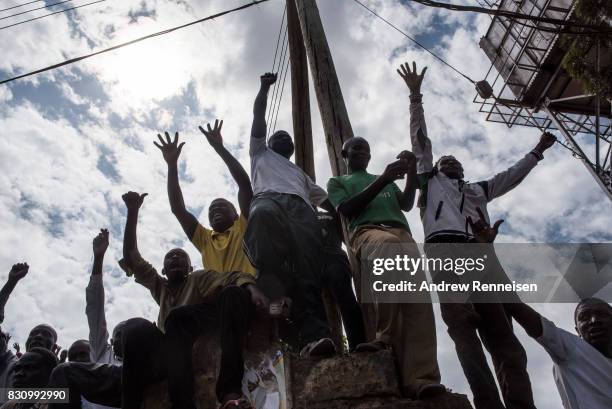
{"points": [[76, 138]]}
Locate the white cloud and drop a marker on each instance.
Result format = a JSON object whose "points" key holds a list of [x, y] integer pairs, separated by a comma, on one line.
{"points": [[55, 193]]}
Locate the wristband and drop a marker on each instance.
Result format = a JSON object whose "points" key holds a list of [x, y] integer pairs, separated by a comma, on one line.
{"points": [[416, 98], [537, 154]]}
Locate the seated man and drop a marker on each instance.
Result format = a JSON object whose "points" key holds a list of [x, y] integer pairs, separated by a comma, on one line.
{"points": [[582, 363], [372, 205], [221, 247], [32, 370], [191, 304], [283, 238], [7, 358], [337, 278], [446, 202], [97, 375]]}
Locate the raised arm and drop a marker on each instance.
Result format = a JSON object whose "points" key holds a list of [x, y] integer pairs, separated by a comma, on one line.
{"points": [[133, 201], [94, 297], [421, 145], [258, 130], [171, 150], [18, 271], [406, 198], [507, 180], [245, 191], [353, 206]]}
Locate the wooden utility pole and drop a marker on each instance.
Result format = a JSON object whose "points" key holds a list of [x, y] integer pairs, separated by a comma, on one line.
{"points": [[300, 93], [336, 124], [302, 132]]}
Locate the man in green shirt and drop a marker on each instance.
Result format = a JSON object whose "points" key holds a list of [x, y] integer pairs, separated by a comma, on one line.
{"points": [[372, 206]]}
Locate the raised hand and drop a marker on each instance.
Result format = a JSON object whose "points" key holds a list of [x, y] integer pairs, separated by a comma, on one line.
{"points": [[408, 158], [546, 141], [100, 243], [482, 231], [18, 271], [171, 149], [62, 356], [411, 78], [133, 200], [395, 170], [267, 79], [213, 136], [16, 347]]}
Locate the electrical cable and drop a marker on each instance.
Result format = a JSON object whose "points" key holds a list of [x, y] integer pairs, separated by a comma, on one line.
{"points": [[51, 14], [21, 5], [125, 44], [38, 8]]}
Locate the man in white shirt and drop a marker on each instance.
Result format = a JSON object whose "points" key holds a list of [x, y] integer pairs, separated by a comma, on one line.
{"points": [[283, 238], [582, 363]]}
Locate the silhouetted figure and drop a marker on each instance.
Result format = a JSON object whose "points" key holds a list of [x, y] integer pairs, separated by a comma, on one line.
{"points": [[191, 304], [582, 364], [283, 238], [373, 206], [94, 370], [7, 358], [337, 278], [32, 370], [446, 202], [221, 247]]}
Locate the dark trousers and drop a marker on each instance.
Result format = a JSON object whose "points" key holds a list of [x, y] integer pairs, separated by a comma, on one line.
{"points": [[151, 356], [283, 240], [337, 278], [99, 384], [492, 322]]}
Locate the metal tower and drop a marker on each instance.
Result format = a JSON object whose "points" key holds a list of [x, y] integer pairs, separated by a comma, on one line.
{"points": [[531, 88]]}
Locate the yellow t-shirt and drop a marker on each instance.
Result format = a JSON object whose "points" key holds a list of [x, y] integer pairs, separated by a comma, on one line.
{"points": [[223, 251]]}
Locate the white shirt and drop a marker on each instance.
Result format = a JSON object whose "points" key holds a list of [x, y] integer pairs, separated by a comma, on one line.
{"points": [[582, 373], [271, 172]]}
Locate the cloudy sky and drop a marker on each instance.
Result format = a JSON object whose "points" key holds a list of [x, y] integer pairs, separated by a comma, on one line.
{"points": [[76, 138]]}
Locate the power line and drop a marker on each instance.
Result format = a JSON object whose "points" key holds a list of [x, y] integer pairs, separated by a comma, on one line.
{"points": [[282, 91], [414, 41], [270, 112], [281, 65], [511, 14], [38, 8], [51, 14], [21, 5], [159, 33]]}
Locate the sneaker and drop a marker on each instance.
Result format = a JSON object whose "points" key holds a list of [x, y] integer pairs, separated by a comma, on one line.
{"points": [[373, 346], [320, 348], [430, 390]]}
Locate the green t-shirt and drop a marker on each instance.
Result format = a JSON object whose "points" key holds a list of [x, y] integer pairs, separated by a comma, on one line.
{"points": [[384, 209]]}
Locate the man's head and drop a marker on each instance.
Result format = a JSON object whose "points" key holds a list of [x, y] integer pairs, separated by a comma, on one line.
{"points": [[450, 166], [33, 369], [41, 336], [79, 351], [593, 318], [177, 265], [281, 143], [115, 341], [221, 214], [356, 153]]}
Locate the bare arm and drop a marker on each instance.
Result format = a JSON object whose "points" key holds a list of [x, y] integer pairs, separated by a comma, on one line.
{"points": [[133, 201], [258, 130], [527, 317], [352, 207], [171, 151], [245, 191], [94, 297], [406, 198], [18, 271]]}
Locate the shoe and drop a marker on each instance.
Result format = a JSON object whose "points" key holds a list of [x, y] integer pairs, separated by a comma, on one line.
{"points": [[320, 348], [373, 346], [430, 390]]}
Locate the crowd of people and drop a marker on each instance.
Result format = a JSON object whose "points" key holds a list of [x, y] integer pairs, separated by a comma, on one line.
{"points": [[273, 257]]}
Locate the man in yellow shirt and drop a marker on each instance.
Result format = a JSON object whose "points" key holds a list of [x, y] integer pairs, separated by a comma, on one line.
{"points": [[191, 304], [221, 247]]}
